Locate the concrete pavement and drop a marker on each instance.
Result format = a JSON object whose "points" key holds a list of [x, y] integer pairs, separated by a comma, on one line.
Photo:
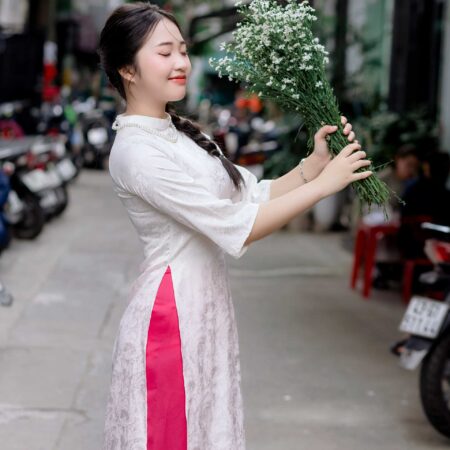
{"points": [[316, 369]]}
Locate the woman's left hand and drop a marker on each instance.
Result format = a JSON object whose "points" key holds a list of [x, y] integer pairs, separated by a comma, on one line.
{"points": [[321, 152]]}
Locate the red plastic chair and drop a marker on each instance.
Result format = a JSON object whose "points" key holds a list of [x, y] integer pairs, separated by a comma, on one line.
{"points": [[367, 238]]}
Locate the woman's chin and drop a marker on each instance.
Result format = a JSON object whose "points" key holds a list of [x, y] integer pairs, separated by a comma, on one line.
{"points": [[175, 98]]}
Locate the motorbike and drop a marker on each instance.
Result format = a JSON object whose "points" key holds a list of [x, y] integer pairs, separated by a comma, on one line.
{"points": [[96, 133], [52, 171], [427, 323], [59, 119], [22, 209], [39, 171]]}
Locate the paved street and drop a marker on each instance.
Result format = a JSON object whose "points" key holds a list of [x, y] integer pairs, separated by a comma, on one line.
{"points": [[317, 373]]}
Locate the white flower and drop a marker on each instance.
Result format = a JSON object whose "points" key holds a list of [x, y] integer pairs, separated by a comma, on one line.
{"points": [[319, 84]]}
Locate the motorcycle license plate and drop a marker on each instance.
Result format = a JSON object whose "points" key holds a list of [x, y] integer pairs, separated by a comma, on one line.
{"points": [[97, 136], [424, 317], [66, 168], [36, 180]]}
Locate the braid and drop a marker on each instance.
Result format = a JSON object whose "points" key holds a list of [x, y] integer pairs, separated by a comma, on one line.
{"points": [[192, 130]]}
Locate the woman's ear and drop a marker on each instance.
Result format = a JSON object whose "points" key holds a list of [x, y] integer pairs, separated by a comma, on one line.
{"points": [[127, 73]]}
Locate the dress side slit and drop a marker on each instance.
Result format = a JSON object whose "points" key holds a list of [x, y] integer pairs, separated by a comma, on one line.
{"points": [[166, 416]]}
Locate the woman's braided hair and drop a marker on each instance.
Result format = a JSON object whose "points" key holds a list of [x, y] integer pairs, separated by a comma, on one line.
{"points": [[123, 34]]}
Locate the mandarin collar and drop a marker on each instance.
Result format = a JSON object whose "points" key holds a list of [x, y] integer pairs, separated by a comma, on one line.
{"points": [[144, 120]]}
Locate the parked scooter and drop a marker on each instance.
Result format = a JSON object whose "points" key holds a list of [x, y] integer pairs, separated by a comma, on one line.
{"points": [[427, 320], [22, 209], [97, 134], [39, 172], [60, 119], [51, 171]]}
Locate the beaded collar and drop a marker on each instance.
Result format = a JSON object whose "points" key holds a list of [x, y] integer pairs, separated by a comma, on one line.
{"points": [[158, 126]]}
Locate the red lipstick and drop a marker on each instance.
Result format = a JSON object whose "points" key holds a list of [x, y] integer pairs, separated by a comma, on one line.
{"points": [[179, 80]]}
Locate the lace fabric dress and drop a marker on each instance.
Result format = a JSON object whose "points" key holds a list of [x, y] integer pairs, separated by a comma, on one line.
{"points": [[175, 381]]}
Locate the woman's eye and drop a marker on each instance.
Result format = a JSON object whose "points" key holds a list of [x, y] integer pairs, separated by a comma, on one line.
{"points": [[168, 54]]}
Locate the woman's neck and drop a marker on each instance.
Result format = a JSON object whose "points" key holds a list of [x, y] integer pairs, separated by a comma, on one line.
{"points": [[146, 110]]}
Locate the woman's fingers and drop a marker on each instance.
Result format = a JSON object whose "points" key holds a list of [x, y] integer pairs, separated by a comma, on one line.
{"points": [[351, 136], [361, 175], [361, 163], [323, 131], [349, 149], [355, 156], [343, 120]]}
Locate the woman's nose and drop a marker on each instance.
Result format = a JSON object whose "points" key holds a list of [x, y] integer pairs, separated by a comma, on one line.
{"points": [[182, 62]]}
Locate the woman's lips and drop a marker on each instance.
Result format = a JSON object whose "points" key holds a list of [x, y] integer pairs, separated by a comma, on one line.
{"points": [[179, 80]]}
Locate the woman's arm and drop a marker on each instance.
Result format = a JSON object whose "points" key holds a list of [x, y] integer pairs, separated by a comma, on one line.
{"points": [[337, 174], [313, 164]]}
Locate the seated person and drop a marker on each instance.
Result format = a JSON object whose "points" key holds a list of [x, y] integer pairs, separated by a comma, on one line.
{"points": [[427, 196], [397, 176]]}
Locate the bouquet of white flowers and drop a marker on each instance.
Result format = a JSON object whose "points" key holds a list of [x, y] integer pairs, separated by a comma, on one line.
{"points": [[275, 53]]}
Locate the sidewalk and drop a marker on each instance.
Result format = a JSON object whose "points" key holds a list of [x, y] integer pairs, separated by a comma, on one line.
{"points": [[317, 373]]}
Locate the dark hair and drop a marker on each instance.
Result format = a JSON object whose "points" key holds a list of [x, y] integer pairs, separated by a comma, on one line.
{"points": [[123, 34], [407, 150]]}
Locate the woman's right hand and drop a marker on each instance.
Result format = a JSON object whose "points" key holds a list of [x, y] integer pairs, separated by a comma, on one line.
{"points": [[341, 170]]}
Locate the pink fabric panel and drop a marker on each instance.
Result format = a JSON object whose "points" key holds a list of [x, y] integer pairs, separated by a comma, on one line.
{"points": [[166, 418]]}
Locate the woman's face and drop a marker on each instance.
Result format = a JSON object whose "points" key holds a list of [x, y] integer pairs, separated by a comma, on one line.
{"points": [[161, 60]]}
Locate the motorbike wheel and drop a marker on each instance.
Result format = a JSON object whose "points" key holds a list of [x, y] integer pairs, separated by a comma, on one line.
{"points": [[435, 386], [78, 162], [33, 219], [64, 195]]}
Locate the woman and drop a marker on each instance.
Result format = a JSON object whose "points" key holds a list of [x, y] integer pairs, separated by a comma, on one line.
{"points": [[176, 374]]}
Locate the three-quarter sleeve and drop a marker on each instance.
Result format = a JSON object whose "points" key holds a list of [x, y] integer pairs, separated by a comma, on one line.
{"points": [[254, 190], [150, 174]]}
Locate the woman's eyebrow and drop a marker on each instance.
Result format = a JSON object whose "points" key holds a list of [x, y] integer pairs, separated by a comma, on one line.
{"points": [[169, 43]]}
